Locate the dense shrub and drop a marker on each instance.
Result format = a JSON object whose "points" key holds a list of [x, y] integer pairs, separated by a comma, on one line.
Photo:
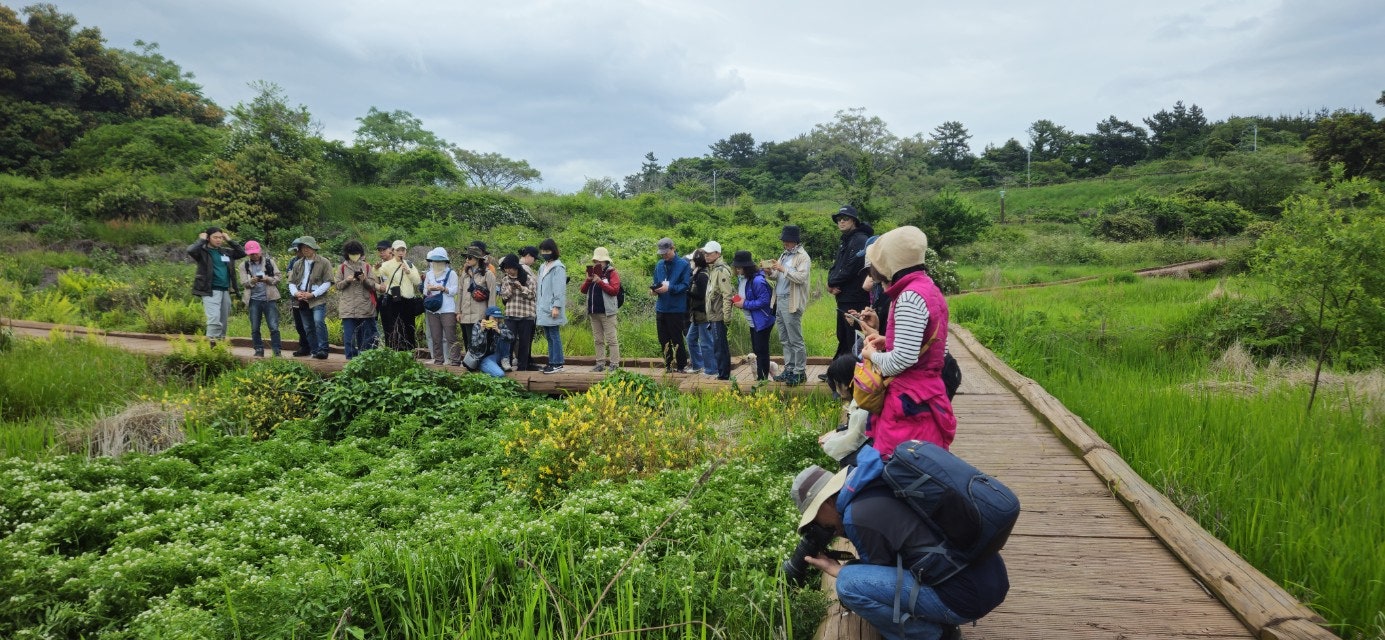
{"points": [[618, 429], [52, 306], [197, 360], [1123, 227], [253, 401], [1266, 329], [476, 209]]}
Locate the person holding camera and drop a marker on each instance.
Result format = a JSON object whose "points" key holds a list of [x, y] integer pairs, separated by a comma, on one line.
{"points": [[477, 292], [518, 289], [309, 280], [259, 282], [672, 279], [889, 536], [602, 287], [753, 297], [400, 281], [789, 275], [356, 307], [215, 255]]}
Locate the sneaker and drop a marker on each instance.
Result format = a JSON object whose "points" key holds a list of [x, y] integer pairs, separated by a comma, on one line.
{"points": [[506, 366], [598, 368], [437, 362], [212, 342], [321, 355], [951, 632], [301, 353], [259, 353], [822, 377], [553, 368], [277, 354]]}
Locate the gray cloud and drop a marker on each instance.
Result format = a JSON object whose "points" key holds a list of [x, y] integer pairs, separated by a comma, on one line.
{"points": [[585, 89]]}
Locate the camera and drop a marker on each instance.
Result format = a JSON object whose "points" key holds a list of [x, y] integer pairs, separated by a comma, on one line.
{"points": [[813, 541]]}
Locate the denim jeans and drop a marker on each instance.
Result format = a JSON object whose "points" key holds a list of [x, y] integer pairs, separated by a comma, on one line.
{"points": [[357, 334], [268, 312], [721, 350], [317, 328], [490, 365], [707, 339], [217, 308], [869, 591], [696, 349], [554, 336]]}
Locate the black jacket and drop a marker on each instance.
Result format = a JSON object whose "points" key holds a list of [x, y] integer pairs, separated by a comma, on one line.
{"points": [[846, 269], [201, 253]]}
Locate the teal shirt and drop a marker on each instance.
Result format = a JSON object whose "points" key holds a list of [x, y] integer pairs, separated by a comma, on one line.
{"points": [[221, 271]]}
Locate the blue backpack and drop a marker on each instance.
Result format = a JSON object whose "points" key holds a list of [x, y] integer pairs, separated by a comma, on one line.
{"points": [[970, 511]]}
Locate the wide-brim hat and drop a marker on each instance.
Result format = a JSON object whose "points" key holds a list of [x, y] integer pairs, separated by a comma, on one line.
{"points": [[309, 242], [812, 487], [601, 254], [743, 259], [438, 254], [791, 233], [847, 211], [475, 252]]}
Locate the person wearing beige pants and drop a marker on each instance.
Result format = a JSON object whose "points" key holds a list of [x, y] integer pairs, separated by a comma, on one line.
{"points": [[602, 288]]}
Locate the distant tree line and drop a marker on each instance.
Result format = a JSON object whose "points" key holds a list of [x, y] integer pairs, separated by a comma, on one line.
{"points": [[132, 134]]}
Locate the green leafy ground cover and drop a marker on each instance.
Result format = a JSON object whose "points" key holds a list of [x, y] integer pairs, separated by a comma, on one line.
{"points": [[410, 509], [1301, 496]]}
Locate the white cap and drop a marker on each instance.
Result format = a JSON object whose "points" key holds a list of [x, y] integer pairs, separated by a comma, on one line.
{"points": [[712, 246]]}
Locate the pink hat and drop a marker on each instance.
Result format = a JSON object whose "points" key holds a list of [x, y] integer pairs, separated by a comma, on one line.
{"points": [[252, 247]]}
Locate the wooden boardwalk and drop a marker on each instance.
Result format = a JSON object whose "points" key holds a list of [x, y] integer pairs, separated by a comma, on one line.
{"points": [[1097, 553], [1082, 564]]}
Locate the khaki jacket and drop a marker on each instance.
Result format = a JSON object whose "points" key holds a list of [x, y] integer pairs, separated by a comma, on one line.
{"points": [[469, 309], [721, 285], [798, 271], [321, 273], [357, 296]]}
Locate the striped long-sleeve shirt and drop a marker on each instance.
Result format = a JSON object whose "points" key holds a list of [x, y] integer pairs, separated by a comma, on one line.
{"points": [[910, 316]]}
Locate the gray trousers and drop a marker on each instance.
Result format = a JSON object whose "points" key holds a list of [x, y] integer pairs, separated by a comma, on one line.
{"points": [[217, 307], [791, 336], [443, 329]]}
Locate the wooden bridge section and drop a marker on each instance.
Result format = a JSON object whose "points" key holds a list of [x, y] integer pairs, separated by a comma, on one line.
{"points": [[1097, 552]]}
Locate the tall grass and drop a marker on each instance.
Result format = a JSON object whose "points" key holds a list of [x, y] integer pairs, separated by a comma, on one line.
{"points": [[1301, 497], [44, 382]]}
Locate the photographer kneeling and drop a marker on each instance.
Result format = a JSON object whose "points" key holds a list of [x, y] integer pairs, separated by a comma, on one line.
{"points": [[889, 538]]}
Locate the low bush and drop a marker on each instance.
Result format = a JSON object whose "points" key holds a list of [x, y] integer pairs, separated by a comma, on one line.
{"points": [[197, 360], [52, 306], [254, 400], [173, 315], [619, 429]]}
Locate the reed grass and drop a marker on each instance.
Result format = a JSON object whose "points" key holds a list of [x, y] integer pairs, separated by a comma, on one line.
{"points": [[1300, 496]]}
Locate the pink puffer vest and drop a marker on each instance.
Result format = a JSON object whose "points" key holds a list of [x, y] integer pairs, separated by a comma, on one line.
{"points": [[916, 405]]}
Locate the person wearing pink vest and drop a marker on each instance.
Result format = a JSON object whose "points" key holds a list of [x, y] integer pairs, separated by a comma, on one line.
{"points": [[911, 350]]}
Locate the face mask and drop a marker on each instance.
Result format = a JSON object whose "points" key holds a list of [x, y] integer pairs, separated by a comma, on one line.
{"points": [[354, 257], [546, 256]]}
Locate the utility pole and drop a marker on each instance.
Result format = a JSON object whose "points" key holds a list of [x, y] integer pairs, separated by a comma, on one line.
{"points": [[1028, 159], [1002, 206], [714, 187]]}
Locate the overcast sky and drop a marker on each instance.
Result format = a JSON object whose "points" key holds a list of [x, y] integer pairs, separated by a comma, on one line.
{"points": [[584, 89]]}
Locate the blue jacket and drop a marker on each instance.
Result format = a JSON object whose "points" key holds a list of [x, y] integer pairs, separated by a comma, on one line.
{"points": [[679, 275], [757, 302]]}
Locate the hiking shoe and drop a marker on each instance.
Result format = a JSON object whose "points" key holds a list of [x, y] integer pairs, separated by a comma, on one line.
{"points": [[321, 355], [277, 354], [598, 368], [301, 353], [822, 377], [951, 632], [553, 368], [259, 353], [212, 342]]}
